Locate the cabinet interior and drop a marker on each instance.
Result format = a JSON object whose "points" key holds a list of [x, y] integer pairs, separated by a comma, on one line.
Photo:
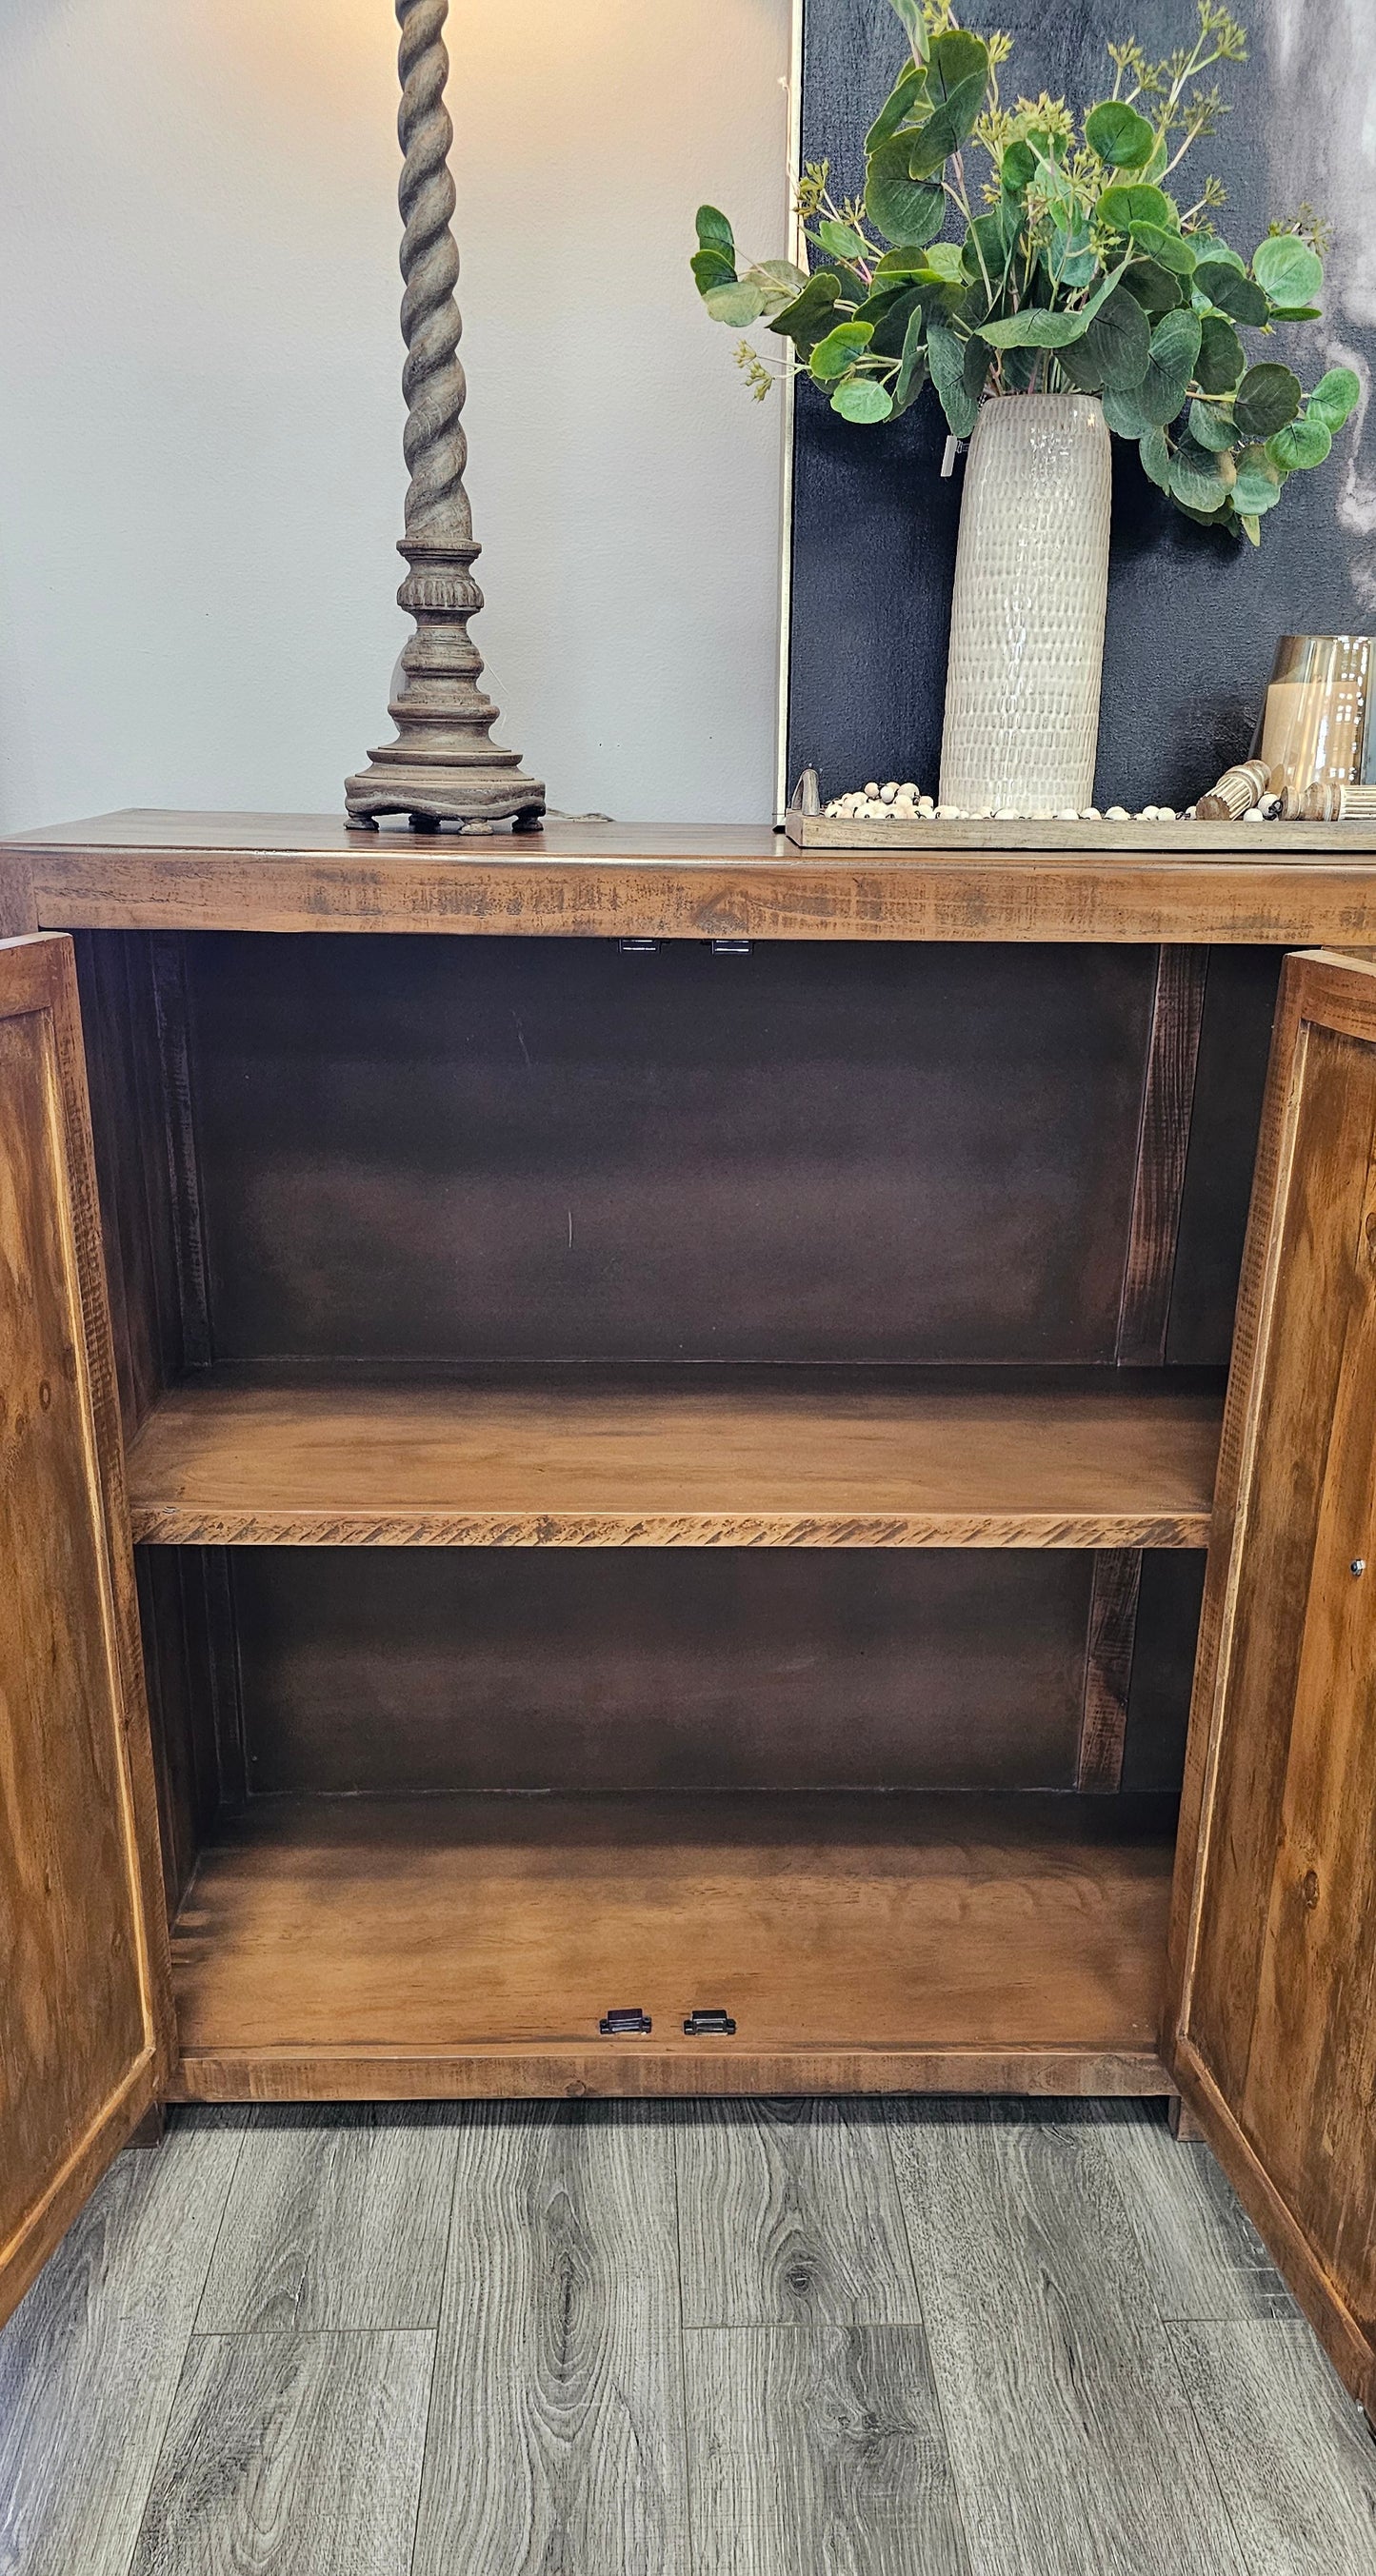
{"points": [[669, 1480]]}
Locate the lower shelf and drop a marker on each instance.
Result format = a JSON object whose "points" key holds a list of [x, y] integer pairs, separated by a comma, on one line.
{"points": [[467, 1946]]}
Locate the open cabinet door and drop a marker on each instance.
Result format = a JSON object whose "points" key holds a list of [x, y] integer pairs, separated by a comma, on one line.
{"points": [[1272, 2013], [85, 2013]]}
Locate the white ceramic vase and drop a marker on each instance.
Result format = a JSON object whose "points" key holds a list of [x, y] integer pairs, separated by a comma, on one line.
{"points": [[1027, 619]]}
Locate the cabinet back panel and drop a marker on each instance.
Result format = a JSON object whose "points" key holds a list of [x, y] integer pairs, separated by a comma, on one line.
{"points": [[439, 1149], [408, 1671]]}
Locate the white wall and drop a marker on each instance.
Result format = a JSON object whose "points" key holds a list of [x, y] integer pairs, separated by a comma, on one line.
{"points": [[200, 414]]}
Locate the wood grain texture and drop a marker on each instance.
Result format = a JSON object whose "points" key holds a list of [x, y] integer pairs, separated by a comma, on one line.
{"points": [[90, 2364], [334, 2224], [830, 1461], [859, 1942], [561, 2306], [154, 870], [1162, 1150], [1291, 2453], [291, 2454], [1071, 2439], [128, 1077], [18, 911], [820, 2447], [788, 2215], [1113, 1602], [1274, 1937], [1199, 2257], [454, 1152], [425, 1671], [84, 2004]]}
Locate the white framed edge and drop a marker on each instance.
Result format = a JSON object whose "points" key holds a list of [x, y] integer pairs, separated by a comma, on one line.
{"points": [[782, 783]]}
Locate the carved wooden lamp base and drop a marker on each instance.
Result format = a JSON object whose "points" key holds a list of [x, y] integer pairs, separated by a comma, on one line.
{"points": [[444, 766], [396, 782]]}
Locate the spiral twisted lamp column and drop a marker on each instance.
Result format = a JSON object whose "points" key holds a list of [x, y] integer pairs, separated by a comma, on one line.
{"points": [[443, 766]]}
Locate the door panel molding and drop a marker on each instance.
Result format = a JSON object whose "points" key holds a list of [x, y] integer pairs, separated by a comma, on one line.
{"points": [[1273, 1937], [85, 2018]]}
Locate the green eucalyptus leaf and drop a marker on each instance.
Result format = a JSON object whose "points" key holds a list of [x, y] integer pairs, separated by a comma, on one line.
{"points": [[1221, 355], [714, 232], [712, 268], [946, 358], [945, 261], [739, 305], [1266, 399], [986, 241], [776, 281], [913, 21], [1211, 426], [1223, 517], [1251, 527], [781, 273], [1201, 477], [1173, 250], [839, 350], [953, 60], [1297, 313], [1069, 259], [1119, 135], [1258, 484], [1212, 246], [1301, 442], [1156, 459], [975, 365], [1161, 393], [1118, 343], [863, 398], [1123, 207], [905, 96], [1335, 397], [1154, 287], [1018, 168], [1289, 270], [1035, 327], [1079, 366], [809, 317], [957, 79], [1231, 291], [912, 373], [891, 326], [902, 208], [841, 240]]}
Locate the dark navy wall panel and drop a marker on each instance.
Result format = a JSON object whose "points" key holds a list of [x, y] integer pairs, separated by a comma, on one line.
{"points": [[1192, 618]]}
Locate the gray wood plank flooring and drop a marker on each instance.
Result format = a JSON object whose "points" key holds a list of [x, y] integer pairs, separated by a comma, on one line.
{"points": [[789, 2215], [335, 2226], [1052, 2360], [89, 2365], [820, 2447], [1290, 2452], [290, 2455], [808, 2339], [561, 2303]]}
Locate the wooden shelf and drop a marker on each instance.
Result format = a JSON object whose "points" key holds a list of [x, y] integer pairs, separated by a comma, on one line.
{"points": [[1284, 885], [704, 1458], [338, 1948]]}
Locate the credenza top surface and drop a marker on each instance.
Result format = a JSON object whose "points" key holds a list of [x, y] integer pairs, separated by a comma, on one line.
{"points": [[1272, 884]]}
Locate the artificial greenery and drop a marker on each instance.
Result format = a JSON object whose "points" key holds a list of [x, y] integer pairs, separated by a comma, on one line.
{"points": [[1073, 267]]}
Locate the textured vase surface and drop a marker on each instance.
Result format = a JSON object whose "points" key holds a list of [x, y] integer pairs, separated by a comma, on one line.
{"points": [[1027, 619]]}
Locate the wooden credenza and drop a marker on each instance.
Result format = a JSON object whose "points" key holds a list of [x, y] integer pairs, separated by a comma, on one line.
{"points": [[606, 1471]]}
